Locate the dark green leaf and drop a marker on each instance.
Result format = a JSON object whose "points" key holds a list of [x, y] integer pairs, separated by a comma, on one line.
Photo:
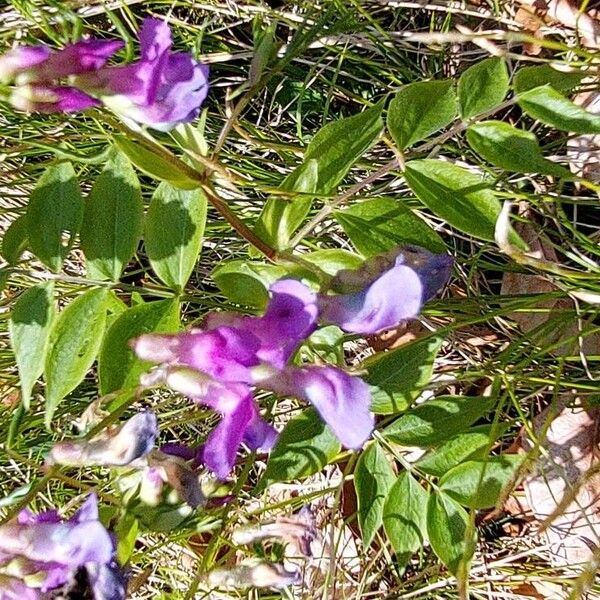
{"points": [[459, 197], [162, 167], [404, 517], [174, 228], [304, 447], [112, 221], [550, 107], [437, 420], [512, 149], [448, 531], [479, 483], [30, 323], [247, 282], [15, 240], [420, 109], [482, 87], [118, 367], [472, 444], [54, 215], [74, 343], [327, 160], [378, 225], [528, 78], [373, 478], [400, 375]]}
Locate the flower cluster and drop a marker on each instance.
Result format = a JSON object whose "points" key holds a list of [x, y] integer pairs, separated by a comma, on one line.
{"points": [[41, 554], [162, 89], [221, 363]]}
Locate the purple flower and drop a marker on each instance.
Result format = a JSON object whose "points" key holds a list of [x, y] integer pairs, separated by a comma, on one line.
{"points": [[117, 446], [162, 89], [386, 290], [44, 553], [218, 367]]}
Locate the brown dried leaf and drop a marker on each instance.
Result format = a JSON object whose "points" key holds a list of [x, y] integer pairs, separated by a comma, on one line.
{"points": [[569, 445]]}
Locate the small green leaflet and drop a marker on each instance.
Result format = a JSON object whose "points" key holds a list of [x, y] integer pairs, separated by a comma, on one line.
{"points": [[373, 478], [31, 320], [74, 342], [304, 447], [174, 229], [398, 376], [112, 220], [437, 420], [448, 531], [511, 149], [15, 240], [378, 225], [550, 107], [404, 517], [482, 87], [459, 197], [420, 109], [54, 214], [479, 483], [164, 167], [118, 367]]}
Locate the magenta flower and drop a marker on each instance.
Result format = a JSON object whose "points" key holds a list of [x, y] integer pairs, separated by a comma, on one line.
{"points": [[40, 553], [218, 367], [386, 290], [161, 90]]}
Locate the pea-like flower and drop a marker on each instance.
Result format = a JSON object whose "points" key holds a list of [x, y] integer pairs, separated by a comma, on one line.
{"points": [[42, 553], [386, 290], [219, 365], [162, 89]]}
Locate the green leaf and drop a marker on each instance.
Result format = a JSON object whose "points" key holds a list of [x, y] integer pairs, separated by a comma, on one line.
{"points": [[420, 109], [118, 367], [126, 531], [15, 240], [551, 108], [378, 225], [447, 529], [29, 326], [332, 260], [482, 87], [174, 229], [112, 220], [74, 343], [528, 78], [512, 149], [459, 197], [373, 478], [247, 282], [479, 483], [471, 444], [265, 48], [54, 214], [437, 420], [400, 375], [327, 160], [304, 447], [404, 517], [163, 167]]}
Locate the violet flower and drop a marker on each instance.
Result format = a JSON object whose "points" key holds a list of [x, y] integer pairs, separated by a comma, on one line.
{"points": [[219, 365], [386, 290], [162, 89], [116, 446], [41, 553]]}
